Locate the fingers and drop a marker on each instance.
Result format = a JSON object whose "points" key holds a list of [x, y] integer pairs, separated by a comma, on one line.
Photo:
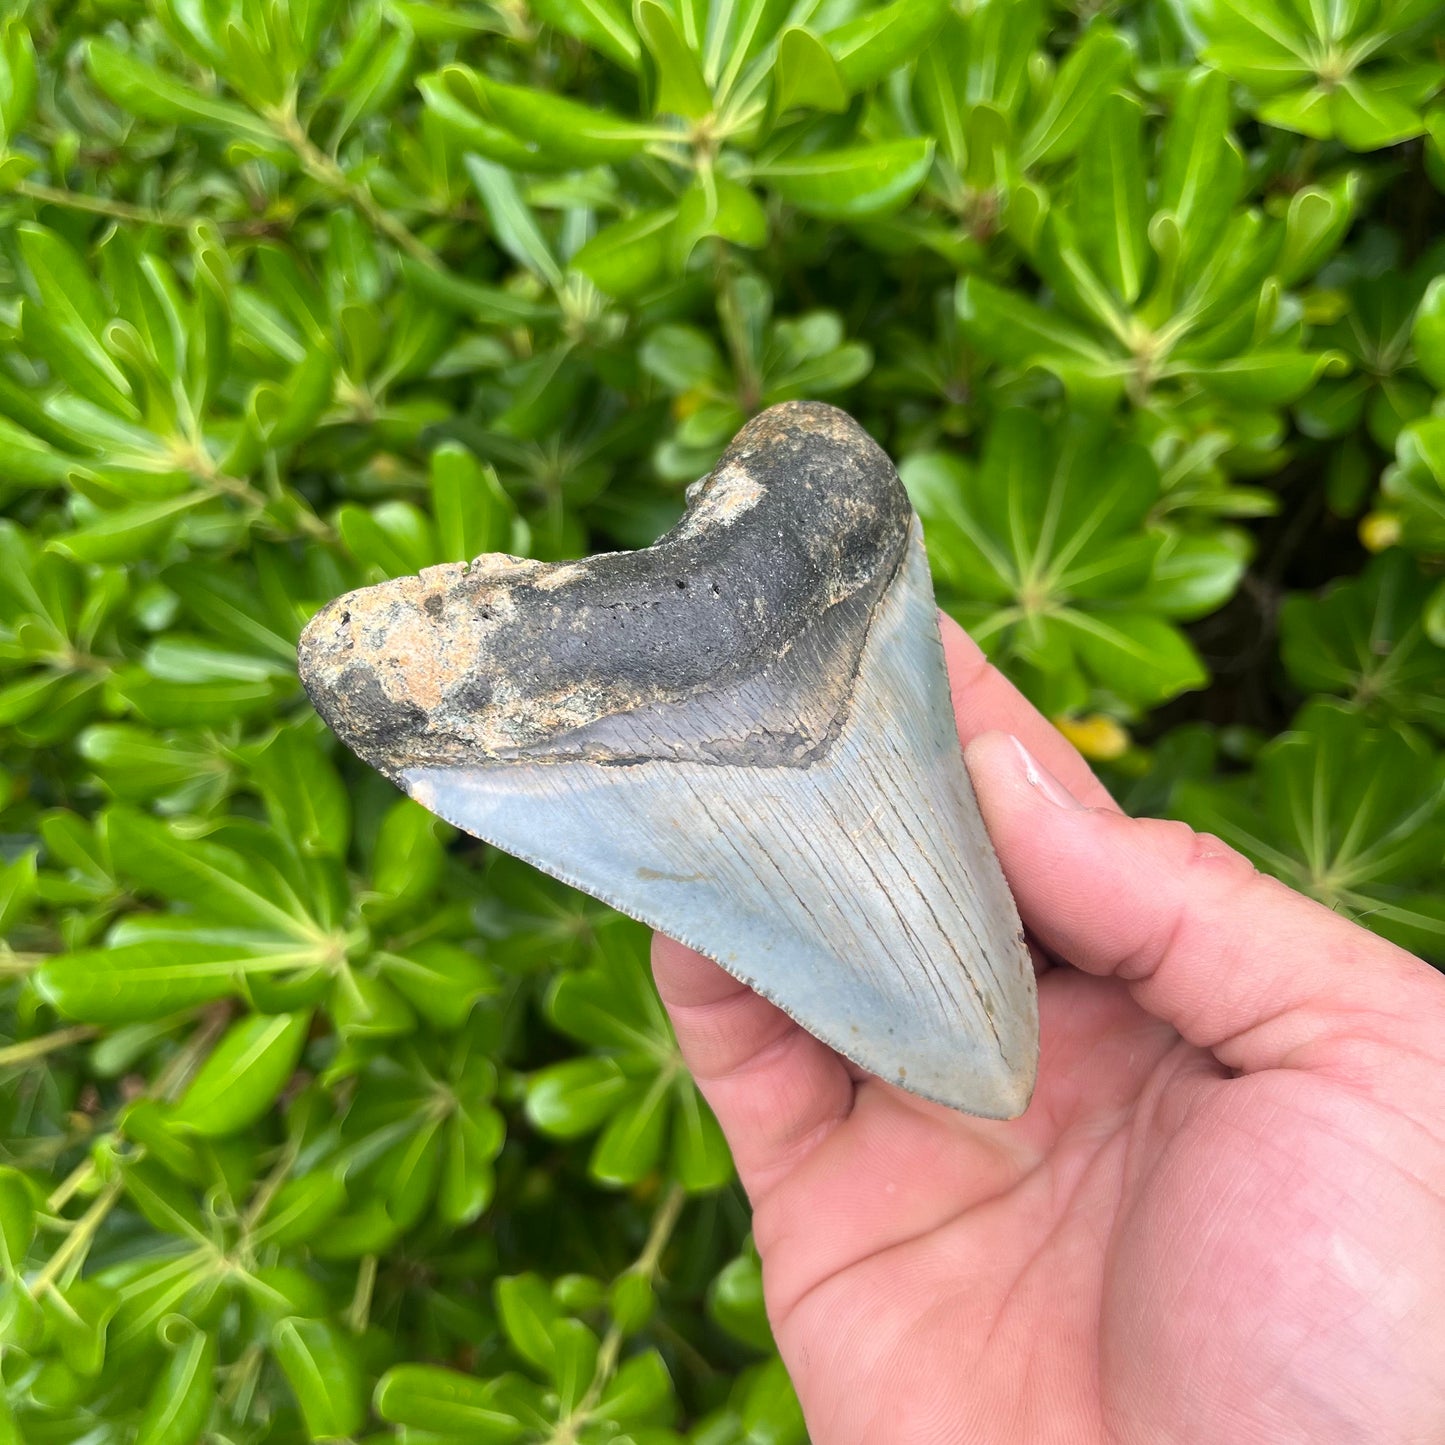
{"points": [[1236, 962], [984, 700], [776, 1091]]}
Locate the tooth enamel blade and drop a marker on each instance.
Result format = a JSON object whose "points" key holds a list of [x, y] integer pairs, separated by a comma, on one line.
{"points": [[860, 894]]}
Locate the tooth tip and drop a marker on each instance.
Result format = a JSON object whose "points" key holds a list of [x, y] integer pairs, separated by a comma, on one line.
{"points": [[1004, 1095], [991, 1082]]}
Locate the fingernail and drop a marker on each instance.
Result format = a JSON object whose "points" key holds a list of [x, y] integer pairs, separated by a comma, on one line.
{"points": [[1038, 776]]}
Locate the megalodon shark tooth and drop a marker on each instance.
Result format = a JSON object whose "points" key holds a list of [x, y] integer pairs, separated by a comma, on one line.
{"points": [[741, 735]]}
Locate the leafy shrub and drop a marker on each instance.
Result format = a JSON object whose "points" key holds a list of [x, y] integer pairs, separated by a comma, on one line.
{"points": [[320, 1121]]}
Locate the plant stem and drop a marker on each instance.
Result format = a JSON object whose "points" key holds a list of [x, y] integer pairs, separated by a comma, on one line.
{"points": [[97, 205], [37, 1048], [749, 380], [77, 1242], [168, 1083], [63, 1192], [359, 1313], [177, 1073], [663, 1223], [320, 167], [261, 1200]]}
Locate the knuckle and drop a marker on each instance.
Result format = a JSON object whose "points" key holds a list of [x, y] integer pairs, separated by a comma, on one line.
{"points": [[1192, 852]]}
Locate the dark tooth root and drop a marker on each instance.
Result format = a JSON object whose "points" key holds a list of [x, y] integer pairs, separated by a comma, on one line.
{"points": [[803, 520]]}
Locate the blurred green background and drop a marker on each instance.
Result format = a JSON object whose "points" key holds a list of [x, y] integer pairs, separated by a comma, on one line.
{"points": [[320, 1122]]}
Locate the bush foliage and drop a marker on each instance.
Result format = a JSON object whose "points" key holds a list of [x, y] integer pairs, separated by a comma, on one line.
{"points": [[320, 1122]]}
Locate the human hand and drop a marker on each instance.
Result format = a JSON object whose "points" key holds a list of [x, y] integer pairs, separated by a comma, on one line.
{"points": [[1222, 1217]]}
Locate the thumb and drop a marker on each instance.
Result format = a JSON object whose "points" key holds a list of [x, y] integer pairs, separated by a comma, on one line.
{"points": [[1236, 962]]}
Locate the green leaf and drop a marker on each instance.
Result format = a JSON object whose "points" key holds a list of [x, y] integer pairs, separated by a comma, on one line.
{"points": [[128, 533], [1343, 810], [679, 88], [324, 1372], [142, 90], [1366, 639], [17, 1221], [147, 1122], [1090, 72], [874, 44], [1012, 329], [529, 1315], [32, 461], [304, 793], [1142, 657], [302, 1207], [771, 1414], [366, 1007], [575, 1096], [166, 1204], [128, 983], [513, 223], [632, 1300], [630, 1146], [1367, 117], [575, 1362], [180, 1402], [700, 1154], [603, 24], [473, 1138], [1112, 223], [735, 1301], [452, 94], [682, 358], [305, 397], [20, 699], [394, 537], [407, 859], [1315, 224], [639, 1392], [426, 1397], [72, 318], [1264, 378], [17, 77], [1194, 575], [805, 74], [244, 1074], [1256, 43], [722, 208], [137, 763], [440, 980], [78, 1316], [212, 877], [628, 255], [472, 513], [1201, 167], [561, 128], [1428, 334], [851, 184], [18, 891]]}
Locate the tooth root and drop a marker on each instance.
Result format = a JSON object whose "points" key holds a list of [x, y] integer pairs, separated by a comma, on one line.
{"points": [[860, 893]]}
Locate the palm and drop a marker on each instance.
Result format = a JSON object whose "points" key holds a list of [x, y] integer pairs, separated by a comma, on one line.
{"points": [[935, 1279], [1222, 1217]]}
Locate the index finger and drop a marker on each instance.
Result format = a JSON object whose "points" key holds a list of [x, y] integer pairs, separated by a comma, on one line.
{"points": [[985, 701]]}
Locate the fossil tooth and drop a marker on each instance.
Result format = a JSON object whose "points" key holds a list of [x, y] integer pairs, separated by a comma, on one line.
{"points": [[741, 735]]}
